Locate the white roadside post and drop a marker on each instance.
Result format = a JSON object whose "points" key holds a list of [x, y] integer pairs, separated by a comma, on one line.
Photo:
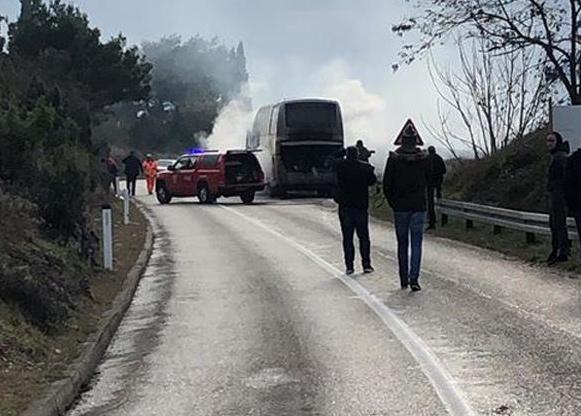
{"points": [[107, 237], [126, 206], [118, 186]]}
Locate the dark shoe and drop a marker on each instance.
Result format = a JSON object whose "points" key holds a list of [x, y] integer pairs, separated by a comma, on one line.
{"points": [[349, 272], [415, 287], [404, 286], [368, 270]]}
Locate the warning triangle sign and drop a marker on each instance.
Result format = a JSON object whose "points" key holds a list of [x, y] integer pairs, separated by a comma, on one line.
{"points": [[409, 129]]}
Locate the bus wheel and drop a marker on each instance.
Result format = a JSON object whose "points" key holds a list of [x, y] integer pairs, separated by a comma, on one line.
{"points": [[248, 197]]}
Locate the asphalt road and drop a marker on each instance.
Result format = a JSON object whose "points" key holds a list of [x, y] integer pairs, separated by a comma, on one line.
{"points": [[243, 311]]}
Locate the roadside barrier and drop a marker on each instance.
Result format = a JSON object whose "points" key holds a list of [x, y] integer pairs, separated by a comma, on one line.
{"points": [[531, 223]]}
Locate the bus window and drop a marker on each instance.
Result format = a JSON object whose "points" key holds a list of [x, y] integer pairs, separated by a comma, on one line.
{"points": [[311, 115]]}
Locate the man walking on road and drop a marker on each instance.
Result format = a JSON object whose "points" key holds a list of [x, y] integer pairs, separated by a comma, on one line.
{"points": [[404, 184], [573, 188], [132, 170], [436, 172], [364, 152], [556, 188], [112, 172], [150, 170], [353, 181]]}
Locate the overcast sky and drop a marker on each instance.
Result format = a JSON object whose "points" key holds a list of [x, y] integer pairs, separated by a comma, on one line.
{"points": [[337, 48]]}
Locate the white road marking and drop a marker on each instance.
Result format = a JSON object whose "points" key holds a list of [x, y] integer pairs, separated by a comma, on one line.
{"points": [[443, 383]]}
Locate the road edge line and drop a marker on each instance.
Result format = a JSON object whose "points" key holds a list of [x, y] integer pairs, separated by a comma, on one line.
{"points": [[444, 384], [62, 393]]}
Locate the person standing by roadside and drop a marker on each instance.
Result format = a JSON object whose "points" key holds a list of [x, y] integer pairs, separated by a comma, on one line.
{"points": [[112, 172], [573, 188], [558, 207], [132, 170], [352, 194], [404, 184], [363, 152], [150, 171], [436, 172]]}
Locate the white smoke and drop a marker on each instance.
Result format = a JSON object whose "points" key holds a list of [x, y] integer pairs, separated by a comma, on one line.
{"points": [[230, 129], [365, 115]]}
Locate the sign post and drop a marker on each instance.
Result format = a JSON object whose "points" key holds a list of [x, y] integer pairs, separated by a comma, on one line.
{"points": [[107, 237]]}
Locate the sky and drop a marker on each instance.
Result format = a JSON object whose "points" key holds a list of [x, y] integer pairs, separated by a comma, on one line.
{"points": [[340, 49]]}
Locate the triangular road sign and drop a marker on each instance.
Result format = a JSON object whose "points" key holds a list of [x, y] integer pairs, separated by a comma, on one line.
{"points": [[409, 129]]}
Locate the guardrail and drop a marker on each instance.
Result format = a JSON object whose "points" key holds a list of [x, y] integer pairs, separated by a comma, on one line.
{"points": [[529, 222]]}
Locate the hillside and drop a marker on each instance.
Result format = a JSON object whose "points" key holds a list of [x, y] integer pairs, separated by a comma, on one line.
{"points": [[513, 178]]}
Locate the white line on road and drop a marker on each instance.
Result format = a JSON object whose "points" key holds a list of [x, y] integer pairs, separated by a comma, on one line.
{"points": [[441, 380]]}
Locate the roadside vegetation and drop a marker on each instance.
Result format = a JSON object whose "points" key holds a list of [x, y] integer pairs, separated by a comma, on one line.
{"points": [[66, 98]]}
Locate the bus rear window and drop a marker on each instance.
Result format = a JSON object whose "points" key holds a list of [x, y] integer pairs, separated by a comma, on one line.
{"points": [[311, 115]]}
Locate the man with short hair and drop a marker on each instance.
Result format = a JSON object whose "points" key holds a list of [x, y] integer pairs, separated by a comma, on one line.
{"points": [[353, 181], [436, 172], [132, 170], [404, 184], [556, 174]]}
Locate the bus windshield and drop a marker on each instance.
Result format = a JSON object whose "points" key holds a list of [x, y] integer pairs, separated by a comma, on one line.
{"points": [[311, 115]]}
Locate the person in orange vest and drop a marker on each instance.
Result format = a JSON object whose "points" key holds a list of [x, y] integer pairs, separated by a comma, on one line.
{"points": [[150, 170]]}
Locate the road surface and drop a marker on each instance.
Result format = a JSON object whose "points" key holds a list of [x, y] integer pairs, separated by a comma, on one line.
{"points": [[243, 311]]}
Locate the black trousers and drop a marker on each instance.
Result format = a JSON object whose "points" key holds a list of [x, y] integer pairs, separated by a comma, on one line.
{"points": [[131, 184], [558, 223], [355, 220], [432, 189]]}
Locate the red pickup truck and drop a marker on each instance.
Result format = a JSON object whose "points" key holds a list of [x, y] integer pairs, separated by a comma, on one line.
{"points": [[211, 175]]}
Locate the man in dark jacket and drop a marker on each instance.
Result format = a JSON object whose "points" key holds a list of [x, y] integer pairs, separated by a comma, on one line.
{"points": [[556, 188], [132, 170], [573, 188], [404, 184], [353, 181], [436, 172]]}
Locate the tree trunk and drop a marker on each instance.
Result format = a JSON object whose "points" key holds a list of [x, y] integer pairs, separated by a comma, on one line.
{"points": [[25, 9]]}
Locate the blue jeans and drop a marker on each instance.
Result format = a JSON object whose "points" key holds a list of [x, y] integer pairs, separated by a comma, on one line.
{"points": [[409, 224], [355, 220]]}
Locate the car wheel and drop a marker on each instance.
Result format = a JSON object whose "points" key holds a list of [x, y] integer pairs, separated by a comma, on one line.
{"points": [[248, 197], [163, 196], [204, 195]]}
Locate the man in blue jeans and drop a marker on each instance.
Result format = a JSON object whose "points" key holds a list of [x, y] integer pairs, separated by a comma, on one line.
{"points": [[404, 184], [353, 181]]}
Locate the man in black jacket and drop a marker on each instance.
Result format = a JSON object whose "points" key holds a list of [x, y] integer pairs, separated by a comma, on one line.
{"points": [[132, 170], [353, 181], [556, 188], [436, 172], [404, 184], [573, 188]]}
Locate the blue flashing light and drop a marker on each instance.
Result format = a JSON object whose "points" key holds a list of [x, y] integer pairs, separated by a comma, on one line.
{"points": [[196, 151]]}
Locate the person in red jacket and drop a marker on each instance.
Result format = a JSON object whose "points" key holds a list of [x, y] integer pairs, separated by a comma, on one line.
{"points": [[150, 170]]}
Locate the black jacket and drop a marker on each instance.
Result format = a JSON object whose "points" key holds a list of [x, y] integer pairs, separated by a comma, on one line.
{"points": [[405, 180], [573, 181], [556, 173], [132, 166], [436, 169], [353, 181]]}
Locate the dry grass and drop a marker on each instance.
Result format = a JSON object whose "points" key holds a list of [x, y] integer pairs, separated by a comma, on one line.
{"points": [[30, 359]]}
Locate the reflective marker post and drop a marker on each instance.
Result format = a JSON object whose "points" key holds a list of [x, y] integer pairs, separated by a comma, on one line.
{"points": [[118, 186], [107, 237], [125, 206]]}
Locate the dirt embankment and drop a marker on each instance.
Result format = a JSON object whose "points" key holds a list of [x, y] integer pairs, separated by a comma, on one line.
{"points": [[51, 299]]}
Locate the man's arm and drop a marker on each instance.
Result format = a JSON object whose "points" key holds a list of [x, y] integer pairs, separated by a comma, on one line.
{"points": [[371, 178], [388, 177]]}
